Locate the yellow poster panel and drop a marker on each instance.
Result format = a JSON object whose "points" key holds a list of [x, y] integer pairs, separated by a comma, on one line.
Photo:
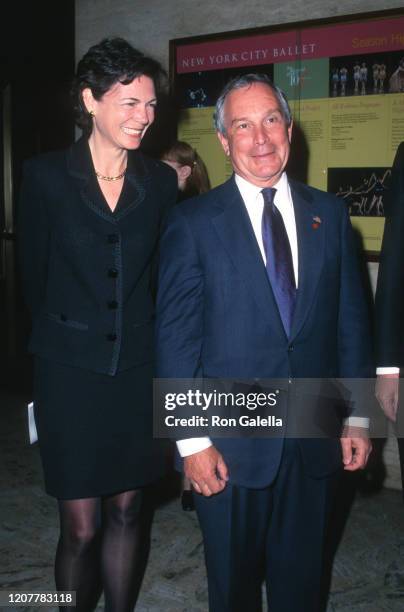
{"points": [[311, 117], [371, 230], [196, 128], [396, 132], [359, 131]]}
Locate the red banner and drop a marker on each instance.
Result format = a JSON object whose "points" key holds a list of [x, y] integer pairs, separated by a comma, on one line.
{"points": [[310, 43]]}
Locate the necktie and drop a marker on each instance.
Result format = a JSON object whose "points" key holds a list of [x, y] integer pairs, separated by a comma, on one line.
{"points": [[279, 258]]}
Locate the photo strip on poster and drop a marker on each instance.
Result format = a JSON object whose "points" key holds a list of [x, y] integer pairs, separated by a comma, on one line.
{"points": [[345, 85]]}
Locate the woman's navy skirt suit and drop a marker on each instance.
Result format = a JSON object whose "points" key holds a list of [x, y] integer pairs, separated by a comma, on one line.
{"points": [[88, 276]]}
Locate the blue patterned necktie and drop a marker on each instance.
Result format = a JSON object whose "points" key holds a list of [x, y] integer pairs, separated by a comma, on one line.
{"points": [[279, 258]]}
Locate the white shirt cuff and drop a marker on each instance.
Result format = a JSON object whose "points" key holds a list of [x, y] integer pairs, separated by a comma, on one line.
{"points": [[190, 446], [357, 422], [392, 370]]}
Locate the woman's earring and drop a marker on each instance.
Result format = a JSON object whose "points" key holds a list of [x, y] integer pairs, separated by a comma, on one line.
{"points": [[92, 113]]}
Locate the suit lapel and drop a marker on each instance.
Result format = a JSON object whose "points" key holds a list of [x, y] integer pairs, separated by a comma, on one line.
{"points": [[310, 229], [235, 231], [134, 189]]}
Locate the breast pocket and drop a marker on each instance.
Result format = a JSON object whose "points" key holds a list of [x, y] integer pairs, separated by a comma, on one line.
{"points": [[63, 319]]}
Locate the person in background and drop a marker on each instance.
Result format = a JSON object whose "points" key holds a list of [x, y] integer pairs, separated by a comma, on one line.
{"points": [[390, 301], [193, 180], [89, 227], [191, 171], [389, 319]]}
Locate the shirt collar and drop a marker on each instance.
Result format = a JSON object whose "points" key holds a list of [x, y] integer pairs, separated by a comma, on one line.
{"points": [[249, 191]]}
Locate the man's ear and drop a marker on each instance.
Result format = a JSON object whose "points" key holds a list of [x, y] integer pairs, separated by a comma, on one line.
{"points": [[290, 130], [88, 99], [224, 142]]}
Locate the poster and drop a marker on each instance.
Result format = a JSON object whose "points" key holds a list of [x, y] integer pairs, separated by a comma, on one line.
{"points": [[345, 85]]}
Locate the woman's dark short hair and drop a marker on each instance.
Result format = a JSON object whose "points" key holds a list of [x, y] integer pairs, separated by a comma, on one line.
{"points": [[111, 61]]}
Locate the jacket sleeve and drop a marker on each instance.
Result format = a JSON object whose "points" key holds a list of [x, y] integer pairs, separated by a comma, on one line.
{"points": [[179, 324], [33, 240], [356, 366]]}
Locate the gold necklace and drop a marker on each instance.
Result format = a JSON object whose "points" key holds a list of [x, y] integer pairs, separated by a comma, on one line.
{"points": [[110, 178]]}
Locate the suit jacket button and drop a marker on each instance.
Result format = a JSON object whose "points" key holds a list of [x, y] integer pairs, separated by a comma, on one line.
{"points": [[112, 272], [291, 348], [112, 305], [113, 238], [111, 337]]}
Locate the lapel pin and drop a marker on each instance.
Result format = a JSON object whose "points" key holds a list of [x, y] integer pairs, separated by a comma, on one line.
{"points": [[316, 222]]}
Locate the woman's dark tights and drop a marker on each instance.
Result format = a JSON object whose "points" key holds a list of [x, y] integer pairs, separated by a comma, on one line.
{"points": [[100, 548]]}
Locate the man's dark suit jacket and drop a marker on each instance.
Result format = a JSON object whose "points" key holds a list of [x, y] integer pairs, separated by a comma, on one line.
{"points": [[217, 316], [390, 284], [87, 273]]}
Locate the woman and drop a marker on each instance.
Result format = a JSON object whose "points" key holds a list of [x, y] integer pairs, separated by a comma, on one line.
{"points": [[89, 224], [193, 180], [191, 172]]}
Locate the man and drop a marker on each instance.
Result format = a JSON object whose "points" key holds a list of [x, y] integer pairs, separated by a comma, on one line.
{"points": [[390, 302], [237, 300]]}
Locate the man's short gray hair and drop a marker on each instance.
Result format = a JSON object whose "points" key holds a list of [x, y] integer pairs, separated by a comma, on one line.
{"points": [[245, 81]]}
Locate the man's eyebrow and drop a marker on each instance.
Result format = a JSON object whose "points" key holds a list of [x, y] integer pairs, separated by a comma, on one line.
{"points": [[239, 119], [271, 111]]}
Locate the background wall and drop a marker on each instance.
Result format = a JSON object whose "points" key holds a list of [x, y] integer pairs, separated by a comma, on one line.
{"points": [[150, 24]]}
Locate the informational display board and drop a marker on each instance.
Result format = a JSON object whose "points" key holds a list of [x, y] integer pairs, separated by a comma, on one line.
{"points": [[345, 83]]}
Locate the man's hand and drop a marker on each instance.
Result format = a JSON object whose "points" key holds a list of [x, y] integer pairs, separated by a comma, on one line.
{"points": [[207, 471], [356, 448], [387, 394]]}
